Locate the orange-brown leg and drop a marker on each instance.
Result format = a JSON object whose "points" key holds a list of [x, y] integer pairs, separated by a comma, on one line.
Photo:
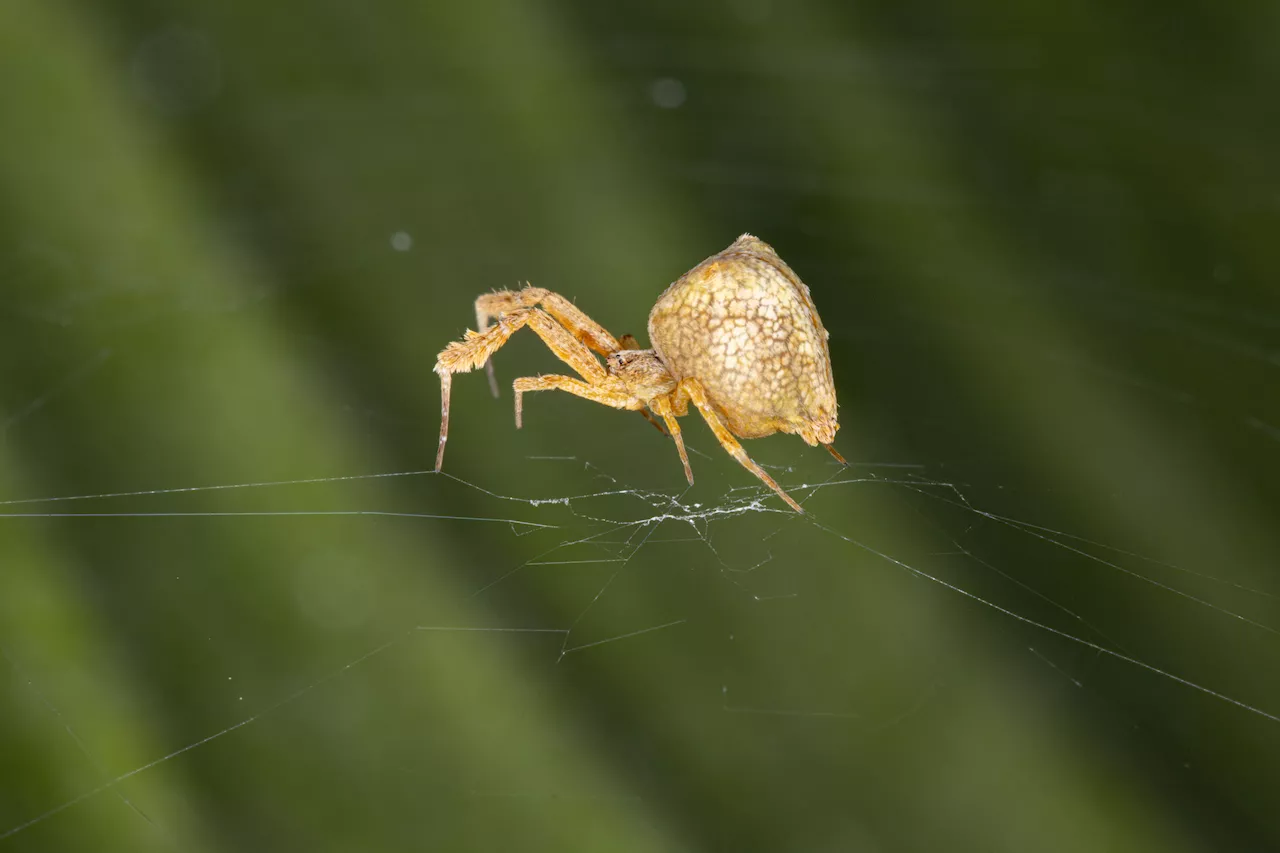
{"points": [[662, 406], [582, 327], [698, 395], [591, 333], [648, 417], [836, 454], [476, 348], [609, 394]]}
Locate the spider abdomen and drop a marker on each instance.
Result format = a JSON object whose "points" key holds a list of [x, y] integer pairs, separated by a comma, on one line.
{"points": [[744, 325]]}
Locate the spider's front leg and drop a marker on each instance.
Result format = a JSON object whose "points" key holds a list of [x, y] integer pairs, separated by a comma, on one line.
{"points": [[476, 348], [610, 393], [571, 317], [446, 383], [662, 406]]}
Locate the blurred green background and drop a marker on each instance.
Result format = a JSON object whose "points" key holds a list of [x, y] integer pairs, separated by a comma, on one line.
{"points": [[234, 235]]}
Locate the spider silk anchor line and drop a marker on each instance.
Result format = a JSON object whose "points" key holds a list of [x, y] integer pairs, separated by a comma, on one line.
{"points": [[737, 336]]}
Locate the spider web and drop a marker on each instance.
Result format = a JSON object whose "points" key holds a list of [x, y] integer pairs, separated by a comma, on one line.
{"points": [[750, 553]]}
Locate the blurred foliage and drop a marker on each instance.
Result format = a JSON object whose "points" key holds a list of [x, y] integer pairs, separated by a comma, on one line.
{"points": [[234, 235]]}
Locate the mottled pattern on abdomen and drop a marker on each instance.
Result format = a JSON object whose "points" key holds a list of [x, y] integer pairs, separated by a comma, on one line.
{"points": [[744, 324]]}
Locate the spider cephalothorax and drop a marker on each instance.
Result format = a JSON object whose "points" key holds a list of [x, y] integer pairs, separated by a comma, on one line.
{"points": [[738, 336], [641, 372]]}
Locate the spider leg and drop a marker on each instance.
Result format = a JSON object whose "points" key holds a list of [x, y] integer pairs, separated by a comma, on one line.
{"points": [[582, 327], [606, 394], [465, 355], [570, 316], [571, 350], [486, 308], [698, 395], [446, 382], [574, 353], [476, 348], [835, 453], [648, 417], [662, 406]]}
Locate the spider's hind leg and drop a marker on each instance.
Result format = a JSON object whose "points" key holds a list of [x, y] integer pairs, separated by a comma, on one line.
{"points": [[698, 395]]}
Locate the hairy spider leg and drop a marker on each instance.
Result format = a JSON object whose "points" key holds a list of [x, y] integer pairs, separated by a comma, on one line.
{"points": [[698, 394], [573, 318], [586, 330], [662, 406], [614, 393], [476, 348]]}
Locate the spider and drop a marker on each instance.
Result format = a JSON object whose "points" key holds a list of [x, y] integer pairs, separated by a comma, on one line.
{"points": [[738, 336]]}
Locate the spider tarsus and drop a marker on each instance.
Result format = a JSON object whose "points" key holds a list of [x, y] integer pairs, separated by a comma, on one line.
{"points": [[836, 454], [440, 453]]}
